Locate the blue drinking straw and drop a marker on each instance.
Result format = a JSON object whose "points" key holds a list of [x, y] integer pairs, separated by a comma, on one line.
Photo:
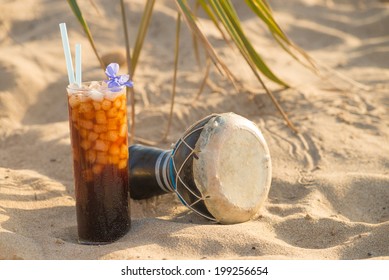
{"points": [[66, 49], [78, 65]]}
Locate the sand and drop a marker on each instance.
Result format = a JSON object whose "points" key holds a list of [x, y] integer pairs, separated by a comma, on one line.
{"points": [[329, 197]]}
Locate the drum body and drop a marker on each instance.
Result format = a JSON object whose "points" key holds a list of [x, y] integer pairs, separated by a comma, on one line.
{"points": [[221, 168]]}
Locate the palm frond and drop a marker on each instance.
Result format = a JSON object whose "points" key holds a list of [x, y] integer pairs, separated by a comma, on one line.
{"points": [[205, 78], [262, 10], [141, 34], [130, 93], [214, 19], [227, 15], [176, 55], [194, 27]]}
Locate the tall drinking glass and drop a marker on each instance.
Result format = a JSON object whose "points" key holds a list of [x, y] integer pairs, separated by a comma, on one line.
{"points": [[98, 130]]}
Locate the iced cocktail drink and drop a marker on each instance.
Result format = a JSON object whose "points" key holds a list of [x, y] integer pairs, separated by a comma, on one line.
{"points": [[98, 127]]}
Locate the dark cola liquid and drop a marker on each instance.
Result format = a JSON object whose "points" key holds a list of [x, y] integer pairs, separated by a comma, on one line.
{"points": [[102, 206]]}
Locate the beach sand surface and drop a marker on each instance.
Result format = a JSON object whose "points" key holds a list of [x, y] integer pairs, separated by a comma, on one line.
{"points": [[329, 197]]}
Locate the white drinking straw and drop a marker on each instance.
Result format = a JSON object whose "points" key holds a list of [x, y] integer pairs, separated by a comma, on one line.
{"points": [[66, 49], [78, 65]]}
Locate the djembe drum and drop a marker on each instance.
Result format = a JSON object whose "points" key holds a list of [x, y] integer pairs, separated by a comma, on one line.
{"points": [[220, 168]]}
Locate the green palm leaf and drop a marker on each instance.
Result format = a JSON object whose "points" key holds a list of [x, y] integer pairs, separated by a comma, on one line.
{"points": [[141, 34], [223, 11], [191, 22], [263, 11], [230, 20], [176, 54]]}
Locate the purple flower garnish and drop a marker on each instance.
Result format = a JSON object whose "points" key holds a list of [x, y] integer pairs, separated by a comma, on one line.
{"points": [[114, 80]]}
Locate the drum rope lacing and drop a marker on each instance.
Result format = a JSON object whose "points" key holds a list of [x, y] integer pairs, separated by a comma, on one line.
{"points": [[174, 179]]}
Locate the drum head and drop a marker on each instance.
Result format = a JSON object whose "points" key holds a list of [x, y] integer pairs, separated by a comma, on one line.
{"points": [[232, 170]]}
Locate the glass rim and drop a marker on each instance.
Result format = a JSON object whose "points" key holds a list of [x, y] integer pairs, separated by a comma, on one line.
{"points": [[74, 87]]}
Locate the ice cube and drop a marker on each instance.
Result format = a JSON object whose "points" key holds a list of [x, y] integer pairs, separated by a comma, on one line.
{"points": [[113, 95], [74, 101], [96, 95], [113, 159], [114, 150], [97, 168], [101, 145], [123, 151], [73, 88], [123, 130], [99, 128], [112, 113], [94, 85], [112, 135], [122, 164], [84, 98], [101, 117], [101, 158], [106, 105], [92, 136]]}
